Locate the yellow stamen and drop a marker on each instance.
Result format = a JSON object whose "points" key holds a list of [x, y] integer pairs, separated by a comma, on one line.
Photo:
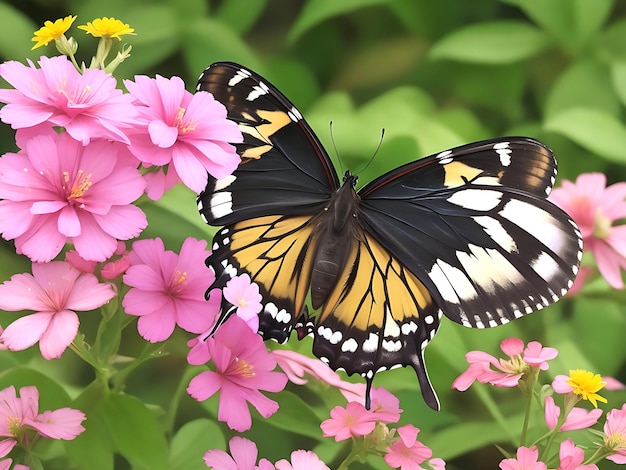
{"points": [[243, 368], [51, 31], [80, 186], [601, 225]]}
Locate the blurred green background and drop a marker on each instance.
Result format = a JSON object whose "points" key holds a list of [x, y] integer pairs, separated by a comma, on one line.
{"points": [[433, 75]]}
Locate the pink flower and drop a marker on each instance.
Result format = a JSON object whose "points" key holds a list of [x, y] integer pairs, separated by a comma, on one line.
{"points": [[508, 371], [244, 454], [577, 418], [87, 105], [572, 457], [385, 406], [407, 453], [57, 191], [18, 415], [54, 291], [595, 208], [352, 421], [615, 435], [244, 294], [6, 465], [168, 289], [190, 131], [243, 368], [302, 460], [295, 365], [526, 460]]}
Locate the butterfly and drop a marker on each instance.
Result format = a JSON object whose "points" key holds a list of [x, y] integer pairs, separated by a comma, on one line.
{"points": [[467, 233]]}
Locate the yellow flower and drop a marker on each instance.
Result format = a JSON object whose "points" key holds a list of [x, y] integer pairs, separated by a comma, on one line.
{"points": [[51, 31], [107, 27], [587, 384]]}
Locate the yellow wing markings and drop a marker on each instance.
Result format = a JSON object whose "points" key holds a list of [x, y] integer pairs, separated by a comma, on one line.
{"points": [[273, 121], [277, 253]]}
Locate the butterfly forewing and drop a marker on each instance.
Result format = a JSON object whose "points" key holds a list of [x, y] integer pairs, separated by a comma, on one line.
{"points": [[284, 168], [467, 233], [473, 225]]}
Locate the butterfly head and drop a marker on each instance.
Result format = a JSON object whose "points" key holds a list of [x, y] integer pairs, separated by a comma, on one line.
{"points": [[349, 178]]}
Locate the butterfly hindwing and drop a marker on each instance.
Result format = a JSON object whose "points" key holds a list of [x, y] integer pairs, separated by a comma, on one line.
{"points": [[284, 168], [473, 224]]}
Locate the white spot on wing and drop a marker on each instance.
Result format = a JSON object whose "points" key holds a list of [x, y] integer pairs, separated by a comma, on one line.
{"points": [[221, 204], [476, 199]]}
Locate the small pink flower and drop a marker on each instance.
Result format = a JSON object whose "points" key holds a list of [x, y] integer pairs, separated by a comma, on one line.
{"points": [[526, 460], [87, 104], [57, 191], [244, 294], [243, 368], [5, 464], [302, 460], [577, 418], [168, 289], [508, 372], [595, 208], [295, 365], [188, 131], [615, 435], [407, 453], [572, 457], [352, 421], [385, 406], [55, 291], [17, 415], [244, 454]]}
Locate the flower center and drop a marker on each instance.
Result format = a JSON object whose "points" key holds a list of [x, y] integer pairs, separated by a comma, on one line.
{"points": [[183, 128], [14, 425], [586, 384], [515, 365], [242, 368], [81, 184], [615, 442], [601, 225]]}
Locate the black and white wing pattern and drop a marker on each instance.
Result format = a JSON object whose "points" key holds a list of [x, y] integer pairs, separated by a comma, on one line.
{"points": [[467, 233]]}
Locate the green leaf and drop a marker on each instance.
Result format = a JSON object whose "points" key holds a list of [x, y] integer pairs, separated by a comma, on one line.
{"points": [[585, 84], [294, 415], [497, 42], [51, 394], [316, 11], [192, 440], [595, 130], [610, 44], [618, 78], [134, 431], [571, 22], [240, 15], [15, 35]]}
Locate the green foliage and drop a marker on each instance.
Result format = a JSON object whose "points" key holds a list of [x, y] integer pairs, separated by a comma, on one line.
{"points": [[432, 75]]}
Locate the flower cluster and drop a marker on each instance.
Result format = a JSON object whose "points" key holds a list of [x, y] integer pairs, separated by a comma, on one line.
{"points": [[522, 370]]}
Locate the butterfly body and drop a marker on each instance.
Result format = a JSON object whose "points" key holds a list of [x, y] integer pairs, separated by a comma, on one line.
{"points": [[467, 233]]}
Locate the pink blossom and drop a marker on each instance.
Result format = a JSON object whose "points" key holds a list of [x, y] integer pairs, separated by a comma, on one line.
{"points": [[87, 105], [168, 289], [508, 372], [407, 453], [572, 457], [5, 464], [385, 406], [352, 421], [243, 368], [55, 291], [244, 454], [57, 191], [536, 355], [17, 415], [302, 460], [244, 294], [577, 418], [526, 460], [188, 131], [615, 435], [295, 365], [595, 208]]}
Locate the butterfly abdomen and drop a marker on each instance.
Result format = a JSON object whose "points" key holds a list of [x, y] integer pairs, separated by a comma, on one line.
{"points": [[336, 231]]}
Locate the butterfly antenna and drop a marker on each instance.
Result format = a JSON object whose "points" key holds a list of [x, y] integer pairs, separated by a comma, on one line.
{"points": [[332, 139], [369, 162]]}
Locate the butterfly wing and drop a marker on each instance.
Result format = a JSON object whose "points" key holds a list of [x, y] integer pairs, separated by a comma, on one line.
{"points": [[474, 226], [284, 168], [285, 177]]}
